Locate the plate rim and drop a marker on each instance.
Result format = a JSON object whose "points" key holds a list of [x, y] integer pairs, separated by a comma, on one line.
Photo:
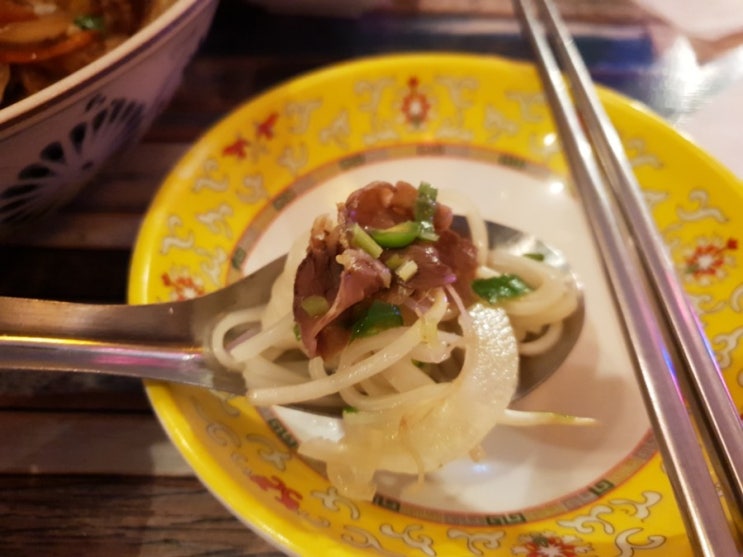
{"points": [[265, 523]]}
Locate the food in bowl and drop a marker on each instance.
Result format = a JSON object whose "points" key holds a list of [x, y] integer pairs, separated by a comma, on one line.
{"points": [[415, 328], [55, 140], [42, 41]]}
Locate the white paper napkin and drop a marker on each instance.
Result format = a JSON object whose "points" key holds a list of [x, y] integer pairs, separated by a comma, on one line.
{"points": [[702, 19], [717, 127]]}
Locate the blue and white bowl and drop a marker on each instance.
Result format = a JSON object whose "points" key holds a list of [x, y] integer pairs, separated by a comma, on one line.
{"points": [[54, 141]]}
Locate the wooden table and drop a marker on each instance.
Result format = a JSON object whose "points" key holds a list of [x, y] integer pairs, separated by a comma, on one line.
{"points": [[84, 466]]}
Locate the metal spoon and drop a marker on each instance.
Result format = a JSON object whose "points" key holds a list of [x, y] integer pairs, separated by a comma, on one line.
{"points": [[165, 341]]}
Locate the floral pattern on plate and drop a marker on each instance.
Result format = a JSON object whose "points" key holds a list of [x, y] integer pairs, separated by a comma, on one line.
{"points": [[239, 196]]}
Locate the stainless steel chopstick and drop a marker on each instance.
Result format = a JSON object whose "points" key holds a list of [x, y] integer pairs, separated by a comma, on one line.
{"points": [[685, 460], [715, 405]]}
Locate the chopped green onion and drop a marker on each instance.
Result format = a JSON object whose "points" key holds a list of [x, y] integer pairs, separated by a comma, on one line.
{"points": [[394, 261], [404, 268], [500, 288], [425, 203], [379, 317], [350, 410], [297, 332], [397, 236], [90, 22], [360, 239], [536, 256], [315, 306], [407, 270], [425, 209]]}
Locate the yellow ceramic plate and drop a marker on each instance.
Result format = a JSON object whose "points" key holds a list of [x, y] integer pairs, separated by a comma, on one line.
{"points": [[480, 126]]}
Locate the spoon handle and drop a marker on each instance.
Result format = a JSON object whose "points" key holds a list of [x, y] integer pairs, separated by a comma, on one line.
{"points": [[154, 324], [183, 322], [151, 341], [76, 355], [116, 340]]}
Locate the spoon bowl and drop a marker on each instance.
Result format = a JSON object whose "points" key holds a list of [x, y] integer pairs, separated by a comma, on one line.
{"points": [[166, 341], [534, 370]]}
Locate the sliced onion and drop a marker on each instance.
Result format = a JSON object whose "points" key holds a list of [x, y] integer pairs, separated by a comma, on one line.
{"points": [[45, 28], [531, 418]]}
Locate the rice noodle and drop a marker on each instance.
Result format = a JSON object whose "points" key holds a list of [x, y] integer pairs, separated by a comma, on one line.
{"points": [[540, 312], [347, 375], [477, 226], [420, 394]]}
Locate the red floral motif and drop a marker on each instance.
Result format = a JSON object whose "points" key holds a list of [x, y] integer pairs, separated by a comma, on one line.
{"points": [[183, 285], [707, 261], [286, 496], [265, 129], [237, 149], [415, 104], [549, 544]]}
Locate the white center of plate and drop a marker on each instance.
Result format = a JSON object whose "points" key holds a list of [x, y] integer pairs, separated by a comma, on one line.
{"points": [[523, 468]]}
